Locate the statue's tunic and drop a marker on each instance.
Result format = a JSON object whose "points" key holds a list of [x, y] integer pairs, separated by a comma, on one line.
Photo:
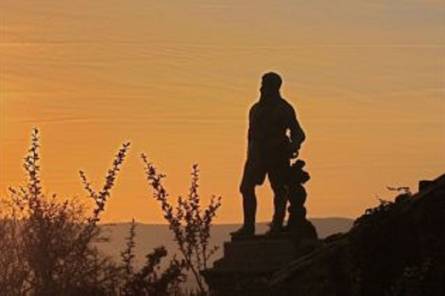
{"points": [[274, 135]]}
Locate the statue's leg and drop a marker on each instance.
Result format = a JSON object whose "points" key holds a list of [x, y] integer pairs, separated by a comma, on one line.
{"points": [[254, 174], [280, 200], [278, 176], [249, 205]]}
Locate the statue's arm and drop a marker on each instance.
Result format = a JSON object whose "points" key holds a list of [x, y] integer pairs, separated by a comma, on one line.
{"points": [[297, 135], [250, 129], [252, 123]]}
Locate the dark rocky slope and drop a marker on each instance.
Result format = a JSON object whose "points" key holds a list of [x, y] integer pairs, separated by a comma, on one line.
{"points": [[397, 248]]}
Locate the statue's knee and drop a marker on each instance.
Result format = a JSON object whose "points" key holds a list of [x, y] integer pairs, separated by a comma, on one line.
{"points": [[247, 190], [280, 190]]}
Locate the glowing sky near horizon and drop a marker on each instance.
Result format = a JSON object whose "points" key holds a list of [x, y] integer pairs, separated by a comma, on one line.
{"points": [[176, 78]]}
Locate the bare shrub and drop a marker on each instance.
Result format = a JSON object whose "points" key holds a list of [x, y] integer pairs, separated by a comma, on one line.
{"points": [[149, 281], [47, 244], [187, 220]]}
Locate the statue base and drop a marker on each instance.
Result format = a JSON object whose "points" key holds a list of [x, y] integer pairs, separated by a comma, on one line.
{"points": [[249, 263]]}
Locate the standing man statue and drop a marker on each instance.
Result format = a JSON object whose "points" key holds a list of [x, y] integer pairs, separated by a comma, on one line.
{"points": [[274, 138]]}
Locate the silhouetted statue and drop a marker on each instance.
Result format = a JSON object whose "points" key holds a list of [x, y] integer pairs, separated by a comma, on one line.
{"points": [[274, 139]]}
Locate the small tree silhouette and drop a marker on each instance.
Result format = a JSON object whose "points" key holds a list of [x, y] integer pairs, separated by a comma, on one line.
{"points": [[127, 254], [148, 280], [50, 242], [47, 244], [188, 222]]}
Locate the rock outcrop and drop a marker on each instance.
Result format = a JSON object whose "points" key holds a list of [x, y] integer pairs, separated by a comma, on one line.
{"points": [[397, 248]]}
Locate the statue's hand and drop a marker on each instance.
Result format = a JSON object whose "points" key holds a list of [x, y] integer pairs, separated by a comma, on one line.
{"points": [[293, 150]]}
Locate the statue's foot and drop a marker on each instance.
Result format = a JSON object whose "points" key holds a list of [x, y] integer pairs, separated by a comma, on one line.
{"points": [[275, 230], [244, 231]]}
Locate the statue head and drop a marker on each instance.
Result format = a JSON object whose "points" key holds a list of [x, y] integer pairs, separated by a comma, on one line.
{"points": [[270, 84]]}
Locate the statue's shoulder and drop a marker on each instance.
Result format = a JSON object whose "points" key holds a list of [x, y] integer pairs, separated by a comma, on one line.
{"points": [[254, 107], [286, 106]]}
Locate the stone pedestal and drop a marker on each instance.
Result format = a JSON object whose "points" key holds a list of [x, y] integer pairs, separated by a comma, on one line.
{"points": [[248, 264]]}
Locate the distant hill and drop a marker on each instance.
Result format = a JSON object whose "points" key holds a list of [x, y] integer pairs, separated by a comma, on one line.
{"points": [[149, 236]]}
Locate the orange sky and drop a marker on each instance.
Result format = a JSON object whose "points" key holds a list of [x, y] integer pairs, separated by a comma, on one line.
{"points": [[176, 78]]}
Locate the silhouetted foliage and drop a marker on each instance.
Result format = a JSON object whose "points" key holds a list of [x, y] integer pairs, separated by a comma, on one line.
{"points": [[47, 246], [127, 255], [187, 220], [149, 280]]}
